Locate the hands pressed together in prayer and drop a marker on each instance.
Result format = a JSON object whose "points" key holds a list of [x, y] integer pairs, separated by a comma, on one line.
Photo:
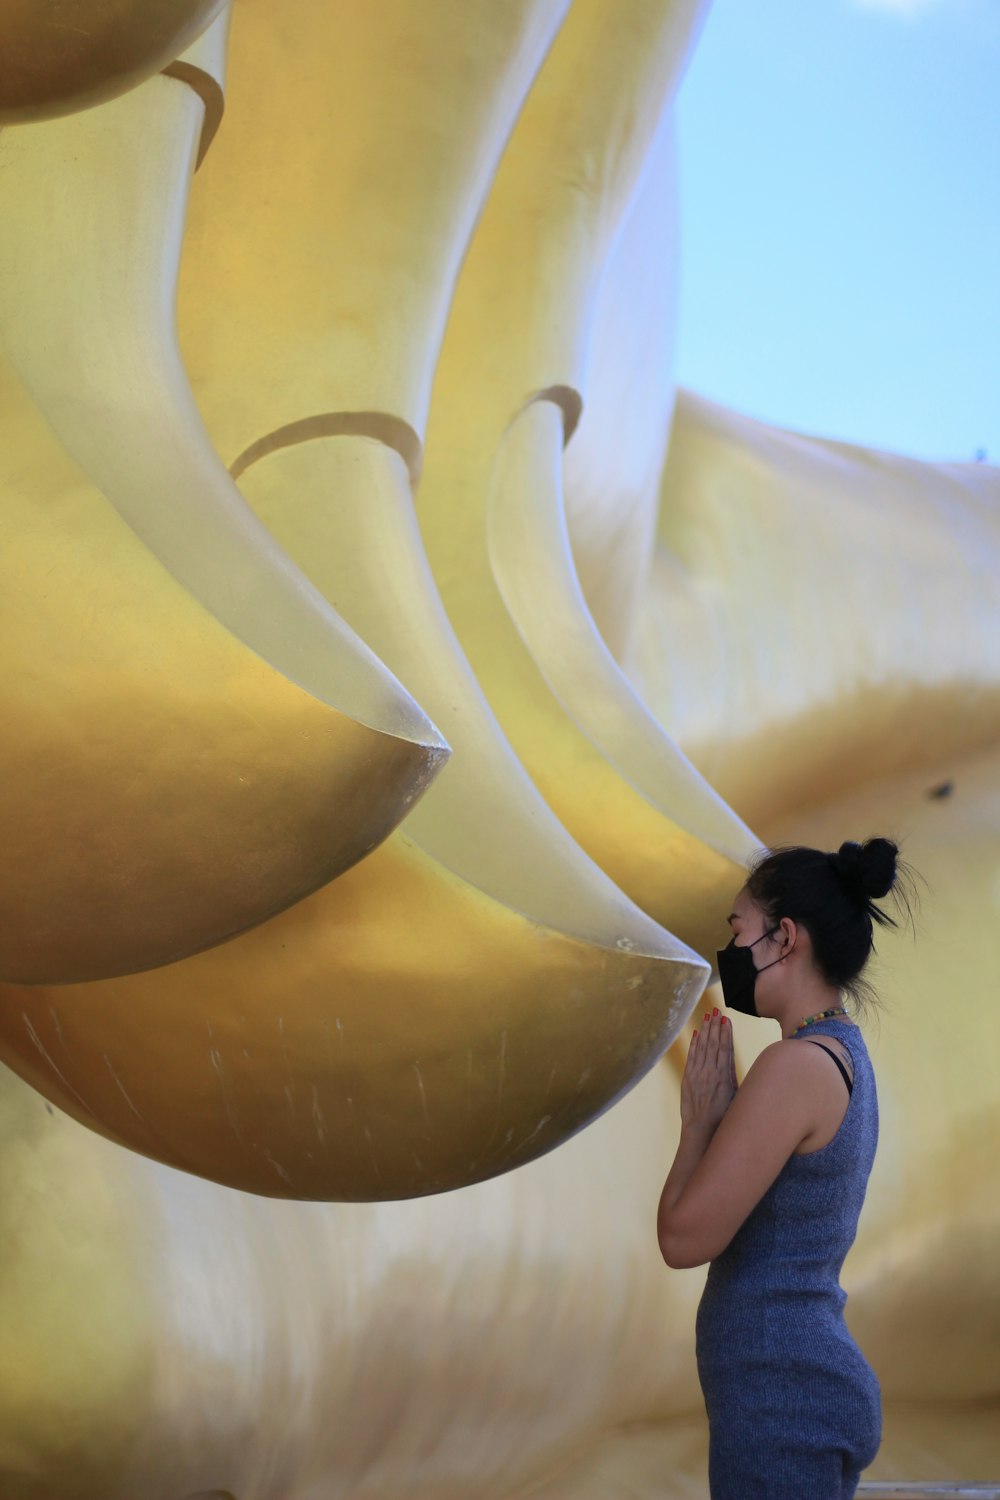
{"points": [[709, 1081]]}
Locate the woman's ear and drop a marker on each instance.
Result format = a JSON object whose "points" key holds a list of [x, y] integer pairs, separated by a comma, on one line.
{"points": [[789, 933]]}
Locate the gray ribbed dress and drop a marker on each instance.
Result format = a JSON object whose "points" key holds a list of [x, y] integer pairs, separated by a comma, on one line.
{"points": [[794, 1408]]}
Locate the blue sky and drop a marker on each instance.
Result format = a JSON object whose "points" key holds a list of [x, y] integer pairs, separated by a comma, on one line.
{"points": [[840, 219]]}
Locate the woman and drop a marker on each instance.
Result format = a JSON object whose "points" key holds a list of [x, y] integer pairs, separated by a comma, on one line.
{"points": [[769, 1180]]}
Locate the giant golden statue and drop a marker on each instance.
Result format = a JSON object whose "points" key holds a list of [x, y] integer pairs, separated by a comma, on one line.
{"points": [[394, 668]]}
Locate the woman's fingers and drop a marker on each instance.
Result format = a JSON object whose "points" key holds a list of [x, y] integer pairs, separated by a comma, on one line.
{"points": [[711, 1042], [710, 1069], [714, 1027], [721, 1055]]}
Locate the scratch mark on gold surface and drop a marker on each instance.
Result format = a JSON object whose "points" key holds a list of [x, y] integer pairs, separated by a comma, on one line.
{"points": [[64, 1081], [371, 1149], [423, 1093], [278, 1168], [125, 1096], [216, 1061], [528, 1138], [317, 1114]]}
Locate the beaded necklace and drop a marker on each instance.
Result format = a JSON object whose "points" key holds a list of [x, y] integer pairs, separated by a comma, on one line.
{"points": [[838, 1010]]}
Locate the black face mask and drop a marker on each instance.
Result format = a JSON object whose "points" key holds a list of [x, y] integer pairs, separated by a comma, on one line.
{"points": [[738, 973]]}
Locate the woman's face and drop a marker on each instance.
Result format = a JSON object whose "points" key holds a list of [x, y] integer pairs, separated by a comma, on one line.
{"points": [[749, 923]]}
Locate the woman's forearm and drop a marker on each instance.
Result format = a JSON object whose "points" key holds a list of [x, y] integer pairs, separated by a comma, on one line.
{"points": [[691, 1148]]}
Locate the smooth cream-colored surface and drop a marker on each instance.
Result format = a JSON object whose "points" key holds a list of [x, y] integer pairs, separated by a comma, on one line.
{"points": [[441, 242]]}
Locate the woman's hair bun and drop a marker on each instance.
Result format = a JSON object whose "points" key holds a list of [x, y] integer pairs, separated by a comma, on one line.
{"points": [[869, 869]]}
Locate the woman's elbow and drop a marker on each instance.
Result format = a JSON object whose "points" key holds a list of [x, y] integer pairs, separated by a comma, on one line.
{"points": [[661, 1240], [679, 1256]]}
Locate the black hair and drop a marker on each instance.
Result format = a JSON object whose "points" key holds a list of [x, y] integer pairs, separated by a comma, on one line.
{"points": [[834, 897]]}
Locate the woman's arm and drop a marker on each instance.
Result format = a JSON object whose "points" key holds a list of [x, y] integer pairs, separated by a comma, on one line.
{"points": [[707, 1088], [727, 1172], [691, 1148]]}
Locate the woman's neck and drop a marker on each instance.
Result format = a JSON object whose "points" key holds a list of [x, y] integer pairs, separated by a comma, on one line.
{"points": [[811, 1005]]}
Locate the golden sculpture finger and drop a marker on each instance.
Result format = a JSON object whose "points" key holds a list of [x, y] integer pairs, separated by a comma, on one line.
{"points": [[55, 59], [507, 391], [317, 310], [367, 293], [164, 786], [375, 353], [118, 396], [400, 1032], [345, 285]]}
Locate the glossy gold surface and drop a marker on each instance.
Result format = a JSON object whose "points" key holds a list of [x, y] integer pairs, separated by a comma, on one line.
{"points": [[398, 1033], [630, 798], [905, 653], [162, 787], [323, 241], [59, 56], [258, 1089], [417, 454], [588, 172], [287, 1349], [192, 738]]}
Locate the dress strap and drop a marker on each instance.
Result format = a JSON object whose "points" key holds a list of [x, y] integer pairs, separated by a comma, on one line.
{"points": [[830, 1052]]}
